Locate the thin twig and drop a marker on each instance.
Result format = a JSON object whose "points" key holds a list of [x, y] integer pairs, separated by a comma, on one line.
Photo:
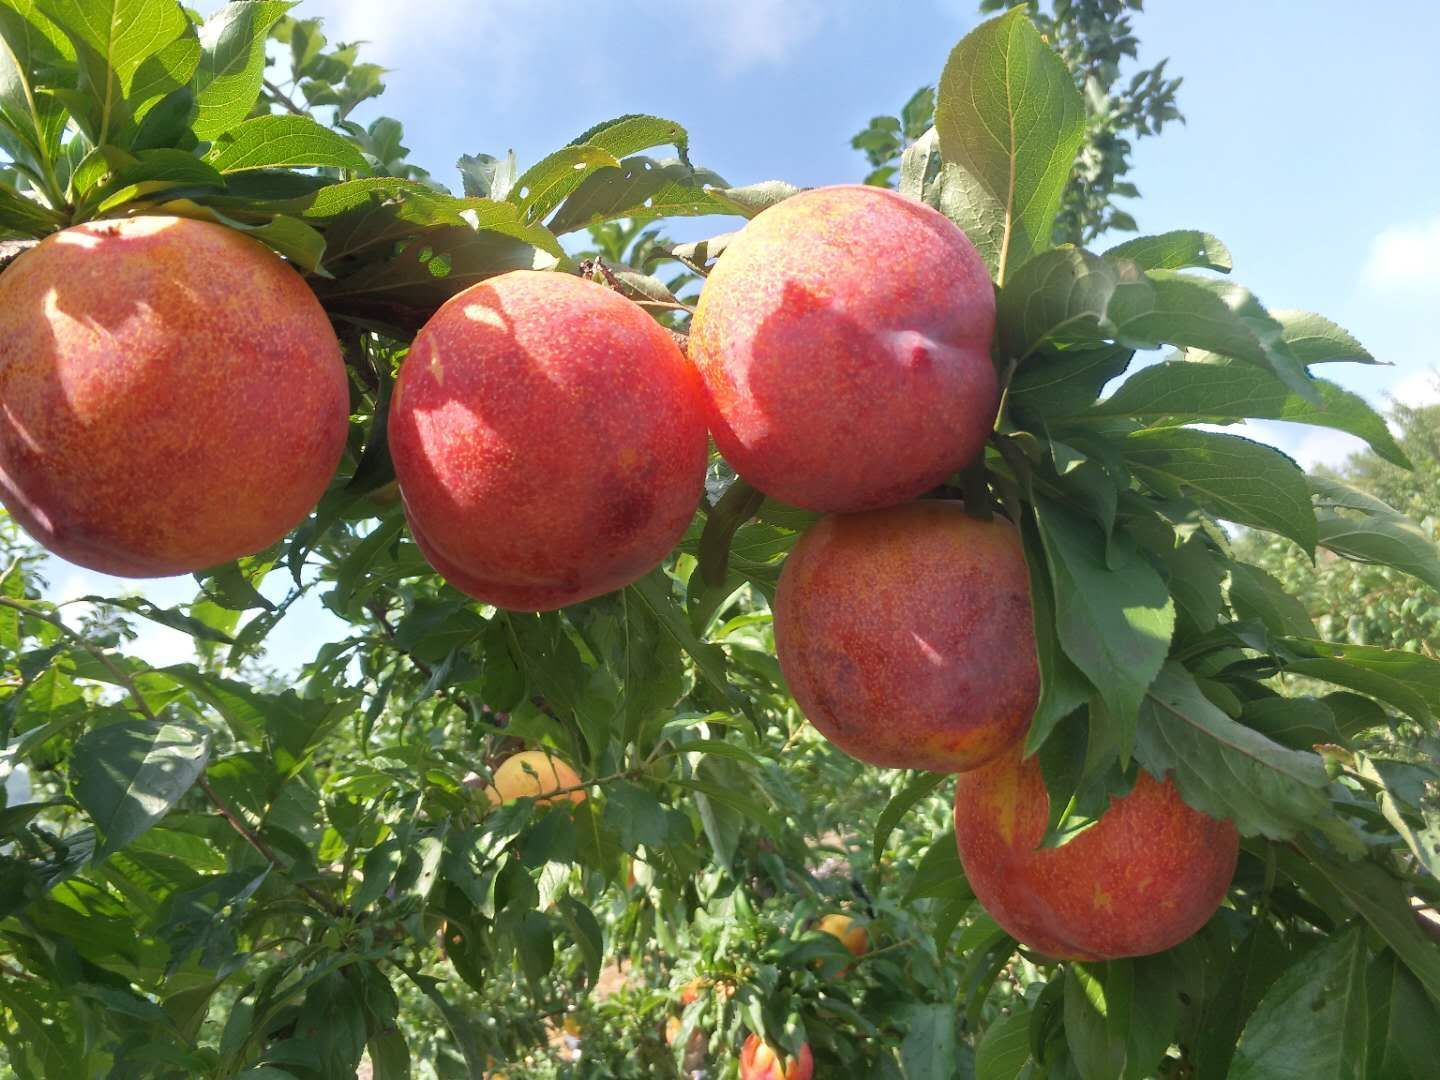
{"points": [[124, 677], [16, 973], [282, 98], [376, 608], [255, 841]]}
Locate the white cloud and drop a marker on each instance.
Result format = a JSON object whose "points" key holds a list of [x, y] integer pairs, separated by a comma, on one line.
{"points": [[1417, 388], [1405, 259], [754, 33]]}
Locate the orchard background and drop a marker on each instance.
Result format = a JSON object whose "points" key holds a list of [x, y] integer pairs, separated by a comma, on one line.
{"points": [[264, 862]]}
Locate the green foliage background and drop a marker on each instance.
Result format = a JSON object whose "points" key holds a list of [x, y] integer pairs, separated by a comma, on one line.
{"points": [[221, 872]]}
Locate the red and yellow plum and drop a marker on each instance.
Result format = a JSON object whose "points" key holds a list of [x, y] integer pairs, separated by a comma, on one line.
{"points": [[906, 635]]}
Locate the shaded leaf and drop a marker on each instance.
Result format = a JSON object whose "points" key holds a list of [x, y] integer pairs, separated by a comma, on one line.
{"points": [[127, 775]]}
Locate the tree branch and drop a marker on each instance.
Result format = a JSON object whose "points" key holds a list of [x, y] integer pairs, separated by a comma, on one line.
{"points": [[283, 99], [266, 851]]}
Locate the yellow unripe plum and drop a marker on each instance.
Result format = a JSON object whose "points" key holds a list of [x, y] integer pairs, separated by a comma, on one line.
{"points": [[532, 774], [853, 936]]}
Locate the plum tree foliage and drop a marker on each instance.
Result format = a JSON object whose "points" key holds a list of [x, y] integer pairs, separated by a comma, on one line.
{"points": [[211, 870], [1094, 37]]}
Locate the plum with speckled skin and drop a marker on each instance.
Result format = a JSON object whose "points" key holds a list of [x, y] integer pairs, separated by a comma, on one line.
{"points": [[171, 395], [906, 635], [844, 339], [1148, 874], [549, 439]]}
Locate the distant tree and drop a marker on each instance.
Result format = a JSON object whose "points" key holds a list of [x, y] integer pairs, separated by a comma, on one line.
{"points": [[1366, 603]]}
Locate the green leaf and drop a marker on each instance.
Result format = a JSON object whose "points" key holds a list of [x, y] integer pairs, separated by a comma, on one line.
{"points": [[916, 162], [737, 506], [112, 39], [964, 199], [544, 185], [1384, 541], [1314, 339], [1098, 1015], [1066, 296], [22, 215], [1175, 251], [1404, 1023], [1004, 1048], [1382, 901], [50, 1045], [296, 726], [1257, 962], [1216, 393], [1418, 674], [736, 800], [1115, 619], [1363, 529], [1063, 688], [1233, 478], [929, 1051], [1301, 723], [170, 617], [1389, 780], [151, 172], [641, 188], [653, 591], [407, 286], [331, 1025], [939, 873], [232, 63], [1313, 1022], [458, 1020], [920, 786], [297, 142], [128, 775], [1008, 113], [488, 177], [1219, 317], [161, 78], [1227, 770], [632, 133], [1065, 383], [1255, 594], [1069, 296], [28, 43], [588, 934]]}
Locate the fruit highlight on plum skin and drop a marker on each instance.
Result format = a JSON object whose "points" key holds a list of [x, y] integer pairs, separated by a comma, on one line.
{"points": [[172, 396], [906, 635], [844, 338], [549, 440], [1143, 878]]}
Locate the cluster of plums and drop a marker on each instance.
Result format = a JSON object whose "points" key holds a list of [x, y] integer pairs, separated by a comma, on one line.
{"points": [[172, 397]]}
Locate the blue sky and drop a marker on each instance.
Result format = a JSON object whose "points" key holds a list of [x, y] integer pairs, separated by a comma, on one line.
{"points": [[1312, 145]]}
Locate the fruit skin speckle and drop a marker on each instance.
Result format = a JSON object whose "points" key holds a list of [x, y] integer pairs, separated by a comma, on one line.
{"points": [[844, 339], [171, 395], [906, 635], [562, 453], [1140, 880]]}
